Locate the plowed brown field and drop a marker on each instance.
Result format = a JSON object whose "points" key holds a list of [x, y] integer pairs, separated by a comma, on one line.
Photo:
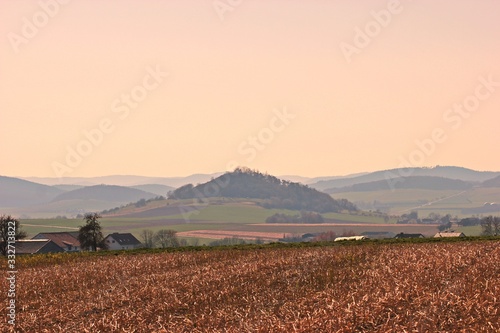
{"points": [[429, 287]]}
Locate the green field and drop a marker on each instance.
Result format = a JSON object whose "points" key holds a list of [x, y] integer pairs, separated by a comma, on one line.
{"points": [[233, 213]]}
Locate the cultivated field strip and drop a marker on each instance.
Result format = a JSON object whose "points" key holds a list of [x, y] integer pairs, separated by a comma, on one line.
{"points": [[221, 234], [443, 287]]}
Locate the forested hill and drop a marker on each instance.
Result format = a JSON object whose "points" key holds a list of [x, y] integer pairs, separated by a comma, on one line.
{"points": [[272, 192]]}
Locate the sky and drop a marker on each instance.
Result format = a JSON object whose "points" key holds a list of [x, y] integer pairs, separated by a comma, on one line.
{"points": [[311, 88]]}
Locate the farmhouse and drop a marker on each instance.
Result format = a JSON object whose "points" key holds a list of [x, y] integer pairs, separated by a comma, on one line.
{"points": [[403, 235], [449, 234], [34, 246], [68, 241], [122, 241]]}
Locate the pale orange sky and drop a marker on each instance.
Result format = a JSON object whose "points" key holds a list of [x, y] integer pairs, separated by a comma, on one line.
{"points": [[229, 74]]}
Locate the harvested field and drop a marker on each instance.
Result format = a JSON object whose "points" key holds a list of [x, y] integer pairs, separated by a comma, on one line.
{"points": [[221, 234], [428, 287], [349, 224]]}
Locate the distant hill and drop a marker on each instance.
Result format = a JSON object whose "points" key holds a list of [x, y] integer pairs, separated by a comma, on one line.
{"points": [[309, 180], [494, 182], [68, 187], [110, 193], [125, 180], [327, 178], [450, 172], [15, 192], [412, 182], [273, 192], [155, 188]]}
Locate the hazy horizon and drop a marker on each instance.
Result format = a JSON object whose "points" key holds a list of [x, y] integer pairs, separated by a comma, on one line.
{"points": [[219, 172], [313, 89]]}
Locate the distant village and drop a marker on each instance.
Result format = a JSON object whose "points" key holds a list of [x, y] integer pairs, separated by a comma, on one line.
{"points": [[56, 242]]}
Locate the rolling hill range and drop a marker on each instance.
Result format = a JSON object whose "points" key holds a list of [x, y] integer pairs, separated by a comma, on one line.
{"points": [[15, 192], [453, 190], [412, 182], [124, 180], [157, 189], [21, 197], [111, 193], [88, 199], [450, 172], [68, 187]]}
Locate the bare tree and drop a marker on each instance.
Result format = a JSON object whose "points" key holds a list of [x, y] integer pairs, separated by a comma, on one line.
{"points": [[496, 226], [167, 238], [10, 231], [487, 225], [148, 238]]}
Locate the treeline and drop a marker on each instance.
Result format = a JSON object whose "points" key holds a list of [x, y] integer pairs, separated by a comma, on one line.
{"points": [[304, 217], [162, 238], [271, 191], [490, 226], [234, 241]]}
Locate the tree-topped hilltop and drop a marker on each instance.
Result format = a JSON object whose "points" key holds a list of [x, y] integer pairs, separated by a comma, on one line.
{"points": [[271, 192]]}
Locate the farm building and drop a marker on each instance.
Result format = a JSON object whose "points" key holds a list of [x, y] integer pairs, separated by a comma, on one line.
{"points": [[68, 241], [122, 241], [378, 234], [403, 235], [35, 246], [449, 234]]}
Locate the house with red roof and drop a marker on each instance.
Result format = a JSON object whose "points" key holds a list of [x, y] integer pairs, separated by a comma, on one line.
{"points": [[68, 241]]}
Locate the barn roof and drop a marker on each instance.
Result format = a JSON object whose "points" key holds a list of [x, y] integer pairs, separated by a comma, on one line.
{"points": [[449, 234], [403, 235], [124, 238], [63, 238], [31, 246]]}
